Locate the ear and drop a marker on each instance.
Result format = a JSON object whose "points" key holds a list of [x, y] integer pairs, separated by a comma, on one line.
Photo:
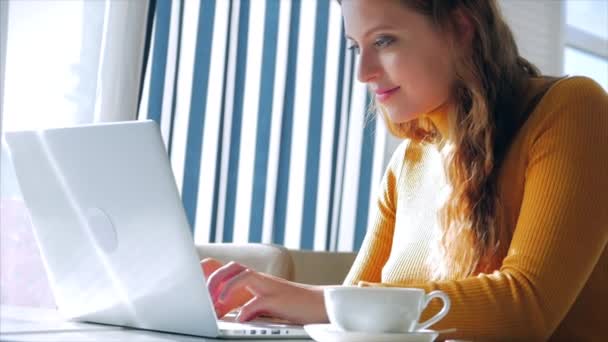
{"points": [[464, 27]]}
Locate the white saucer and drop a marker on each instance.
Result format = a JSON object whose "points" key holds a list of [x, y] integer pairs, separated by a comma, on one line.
{"points": [[330, 333]]}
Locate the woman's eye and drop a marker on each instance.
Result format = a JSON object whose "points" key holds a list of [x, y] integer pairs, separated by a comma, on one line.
{"points": [[383, 41], [380, 42]]}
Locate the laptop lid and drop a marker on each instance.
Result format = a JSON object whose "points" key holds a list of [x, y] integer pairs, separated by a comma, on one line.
{"points": [[111, 227]]}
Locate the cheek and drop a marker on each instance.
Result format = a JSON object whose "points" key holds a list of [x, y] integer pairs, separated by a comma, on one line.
{"points": [[415, 69], [429, 78], [425, 83], [424, 74]]}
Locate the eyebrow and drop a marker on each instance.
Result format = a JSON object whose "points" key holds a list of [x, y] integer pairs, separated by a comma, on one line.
{"points": [[372, 30]]}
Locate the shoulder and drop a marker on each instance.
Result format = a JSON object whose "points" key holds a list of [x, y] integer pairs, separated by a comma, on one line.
{"points": [[576, 89], [577, 102], [576, 92], [398, 158], [405, 156]]}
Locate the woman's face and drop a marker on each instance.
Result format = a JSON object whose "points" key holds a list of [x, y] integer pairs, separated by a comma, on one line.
{"points": [[404, 60]]}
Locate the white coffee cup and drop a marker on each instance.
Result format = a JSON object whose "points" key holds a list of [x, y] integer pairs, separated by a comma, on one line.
{"points": [[381, 310]]}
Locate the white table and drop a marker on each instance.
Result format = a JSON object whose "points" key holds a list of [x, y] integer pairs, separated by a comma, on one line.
{"points": [[35, 324]]}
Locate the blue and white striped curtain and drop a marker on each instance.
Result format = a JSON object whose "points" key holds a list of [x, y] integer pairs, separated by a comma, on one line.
{"points": [[264, 121]]}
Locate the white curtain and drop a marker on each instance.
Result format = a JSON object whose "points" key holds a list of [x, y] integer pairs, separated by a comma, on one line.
{"points": [[3, 35], [121, 58]]}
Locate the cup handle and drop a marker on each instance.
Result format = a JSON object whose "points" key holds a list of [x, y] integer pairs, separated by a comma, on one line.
{"points": [[444, 311]]}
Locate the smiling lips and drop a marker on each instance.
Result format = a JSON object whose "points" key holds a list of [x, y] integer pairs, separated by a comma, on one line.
{"points": [[383, 95]]}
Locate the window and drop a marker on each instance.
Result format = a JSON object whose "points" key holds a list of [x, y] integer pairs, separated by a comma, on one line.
{"points": [[59, 67], [50, 74], [586, 39]]}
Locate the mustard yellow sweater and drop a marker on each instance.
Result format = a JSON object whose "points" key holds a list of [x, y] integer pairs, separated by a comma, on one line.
{"points": [[553, 282]]}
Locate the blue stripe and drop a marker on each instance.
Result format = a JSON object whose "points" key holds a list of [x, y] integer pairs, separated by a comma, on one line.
{"points": [[237, 118], [349, 95], [256, 220], [278, 233], [220, 145], [159, 59], [177, 57], [152, 13], [336, 140], [365, 179], [315, 127], [196, 122]]}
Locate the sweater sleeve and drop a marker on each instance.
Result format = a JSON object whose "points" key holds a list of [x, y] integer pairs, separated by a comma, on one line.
{"points": [[560, 234], [376, 246]]}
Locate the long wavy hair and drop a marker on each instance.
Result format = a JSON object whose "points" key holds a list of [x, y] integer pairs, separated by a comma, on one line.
{"points": [[490, 82]]}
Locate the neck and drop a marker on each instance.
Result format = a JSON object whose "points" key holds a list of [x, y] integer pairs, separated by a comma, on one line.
{"points": [[440, 118]]}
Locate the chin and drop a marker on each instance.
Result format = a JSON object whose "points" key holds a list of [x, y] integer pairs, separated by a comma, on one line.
{"points": [[398, 113], [399, 118]]}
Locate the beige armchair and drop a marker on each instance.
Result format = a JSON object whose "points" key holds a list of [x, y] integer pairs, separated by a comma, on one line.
{"points": [[321, 268], [308, 267], [271, 259]]}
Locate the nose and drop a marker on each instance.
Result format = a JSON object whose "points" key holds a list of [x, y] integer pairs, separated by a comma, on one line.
{"points": [[369, 66]]}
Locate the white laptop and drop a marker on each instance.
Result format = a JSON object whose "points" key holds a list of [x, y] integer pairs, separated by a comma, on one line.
{"points": [[113, 233]]}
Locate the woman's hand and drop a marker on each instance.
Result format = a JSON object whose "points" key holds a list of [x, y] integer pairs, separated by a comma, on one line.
{"points": [[233, 285], [236, 300]]}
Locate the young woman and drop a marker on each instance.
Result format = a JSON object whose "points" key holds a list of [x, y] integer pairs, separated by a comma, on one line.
{"points": [[497, 195]]}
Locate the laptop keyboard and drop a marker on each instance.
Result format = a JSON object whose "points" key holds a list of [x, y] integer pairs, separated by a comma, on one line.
{"points": [[260, 327]]}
